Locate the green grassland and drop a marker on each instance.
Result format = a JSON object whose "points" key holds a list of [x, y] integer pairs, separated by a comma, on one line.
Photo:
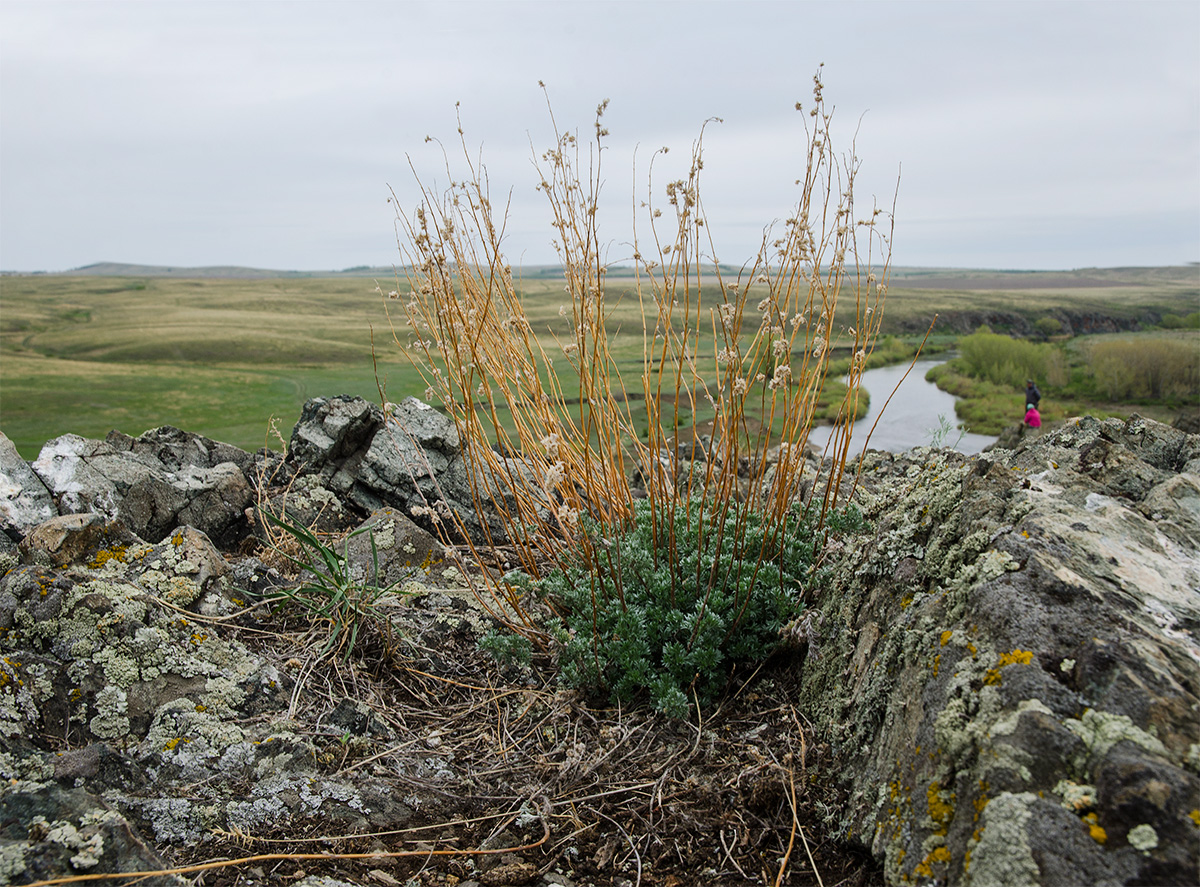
{"points": [[223, 355]]}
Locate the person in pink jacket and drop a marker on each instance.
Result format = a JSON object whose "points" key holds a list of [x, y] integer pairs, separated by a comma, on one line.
{"points": [[1033, 419]]}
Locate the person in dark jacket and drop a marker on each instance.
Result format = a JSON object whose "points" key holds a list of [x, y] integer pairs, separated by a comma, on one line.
{"points": [[1032, 395]]}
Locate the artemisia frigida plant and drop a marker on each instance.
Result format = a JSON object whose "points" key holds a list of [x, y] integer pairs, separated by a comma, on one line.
{"points": [[666, 589]]}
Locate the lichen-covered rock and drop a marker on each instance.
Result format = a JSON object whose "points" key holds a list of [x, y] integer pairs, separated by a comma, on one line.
{"points": [[69, 538], [388, 549], [47, 831], [24, 500], [101, 647], [410, 459], [125, 478], [1009, 669], [306, 502]]}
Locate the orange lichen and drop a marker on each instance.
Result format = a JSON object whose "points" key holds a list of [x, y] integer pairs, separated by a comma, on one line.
{"points": [[1099, 835], [103, 556], [946, 635], [925, 867], [1015, 657]]}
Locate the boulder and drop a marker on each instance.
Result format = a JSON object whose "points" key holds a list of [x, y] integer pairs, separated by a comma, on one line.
{"points": [[388, 549], [127, 478], [177, 450], [1008, 668], [410, 459], [24, 500], [71, 538], [50, 831]]}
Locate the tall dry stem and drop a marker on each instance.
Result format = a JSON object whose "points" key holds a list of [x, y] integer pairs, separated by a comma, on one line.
{"points": [[751, 348]]}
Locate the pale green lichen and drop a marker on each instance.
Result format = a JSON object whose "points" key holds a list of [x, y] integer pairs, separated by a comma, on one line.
{"points": [[1075, 797], [18, 708], [12, 862], [1192, 759], [384, 534], [222, 695], [1143, 837], [1101, 730], [1001, 856], [31, 768], [88, 848], [110, 721]]}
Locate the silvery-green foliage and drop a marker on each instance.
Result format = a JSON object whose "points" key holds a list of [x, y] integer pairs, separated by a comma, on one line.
{"points": [[688, 591]]}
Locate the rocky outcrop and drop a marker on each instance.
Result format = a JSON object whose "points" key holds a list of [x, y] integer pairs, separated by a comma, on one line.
{"points": [[1009, 667], [152, 483], [1005, 666], [24, 500], [411, 459]]}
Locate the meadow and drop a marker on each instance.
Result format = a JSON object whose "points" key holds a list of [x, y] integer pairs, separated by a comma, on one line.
{"points": [[223, 356]]}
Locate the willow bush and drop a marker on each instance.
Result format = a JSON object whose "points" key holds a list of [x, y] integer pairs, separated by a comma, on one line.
{"points": [[1151, 368], [754, 347], [1004, 360]]}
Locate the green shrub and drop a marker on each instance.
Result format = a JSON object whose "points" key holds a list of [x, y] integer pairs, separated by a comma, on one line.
{"points": [[677, 599], [1177, 322], [1008, 361], [1048, 326], [1151, 368]]}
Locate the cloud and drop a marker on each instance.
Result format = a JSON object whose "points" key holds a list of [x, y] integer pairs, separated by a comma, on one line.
{"points": [[267, 133]]}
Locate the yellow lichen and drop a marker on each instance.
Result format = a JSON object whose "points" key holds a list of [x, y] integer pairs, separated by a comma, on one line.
{"points": [[1022, 657], [940, 811], [1099, 835], [946, 635], [116, 553], [1195, 815], [925, 867], [1015, 657]]}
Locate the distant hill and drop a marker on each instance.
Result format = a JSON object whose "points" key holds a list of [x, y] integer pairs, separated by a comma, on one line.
{"points": [[912, 277], [123, 269]]}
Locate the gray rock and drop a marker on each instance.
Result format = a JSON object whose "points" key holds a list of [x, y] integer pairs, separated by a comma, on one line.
{"points": [[410, 460], [72, 538], [214, 500], [177, 450], [1009, 668], [122, 478], [24, 500], [90, 475], [332, 429], [52, 832]]}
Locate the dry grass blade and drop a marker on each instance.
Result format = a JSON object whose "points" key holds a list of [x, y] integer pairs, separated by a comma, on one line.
{"points": [[553, 453]]}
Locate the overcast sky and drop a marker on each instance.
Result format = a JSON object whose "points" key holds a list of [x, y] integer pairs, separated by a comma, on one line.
{"points": [[1026, 135]]}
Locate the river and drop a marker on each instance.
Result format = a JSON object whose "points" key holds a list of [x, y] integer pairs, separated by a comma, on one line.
{"points": [[911, 418]]}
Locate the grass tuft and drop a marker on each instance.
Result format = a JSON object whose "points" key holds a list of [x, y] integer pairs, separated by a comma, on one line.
{"points": [[734, 361]]}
